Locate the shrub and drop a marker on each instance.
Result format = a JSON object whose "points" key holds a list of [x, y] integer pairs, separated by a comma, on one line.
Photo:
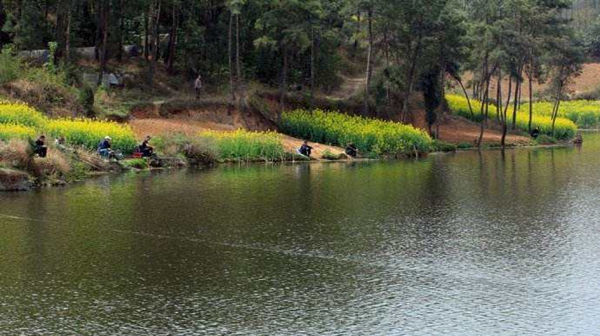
{"points": [[545, 139], [442, 146], [21, 114], [196, 150], [564, 128], [368, 135], [89, 133], [10, 65], [17, 154], [200, 151], [328, 155], [12, 131], [246, 145], [86, 99], [54, 164], [135, 163]]}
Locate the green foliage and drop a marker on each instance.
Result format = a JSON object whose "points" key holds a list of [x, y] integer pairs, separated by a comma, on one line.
{"points": [[328, 155], [368, 135], [10, 65], [89, 133], [86, 99], [544, 139], [247, 146], [135, 163], [564, 128], [441, 146]]}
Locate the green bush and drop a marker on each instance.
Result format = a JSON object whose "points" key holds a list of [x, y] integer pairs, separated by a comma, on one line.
{"points": [[135, 163], [441, 146], [86, 99], [544, 139], [368, 135], [10, 65], [328, 155]]}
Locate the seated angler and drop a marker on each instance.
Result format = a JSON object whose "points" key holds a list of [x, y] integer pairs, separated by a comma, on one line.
{"points": [[305, 149], [104, 148], [40, 146], [145, 149], [351, 150]]}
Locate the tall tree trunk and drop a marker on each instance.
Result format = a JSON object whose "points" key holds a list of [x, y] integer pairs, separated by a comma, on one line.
{"points": [[155, 40], [121, 29], [283, 85], [410, 78], [173, 40], [238, 63], [369, 60], [103, 55], [530, 100], [147, 34], [556, 108], [500, 110], [509, 91], [484, 102], [312, 67], [230, 52], [464, 90], [515, 105], [68, 33]]}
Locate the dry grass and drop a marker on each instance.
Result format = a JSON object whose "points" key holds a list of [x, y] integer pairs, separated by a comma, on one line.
{"points": [[54, 164], [16, 153]]}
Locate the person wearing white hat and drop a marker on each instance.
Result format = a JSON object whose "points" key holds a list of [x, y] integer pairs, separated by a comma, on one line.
{"points": [[104, 148]]}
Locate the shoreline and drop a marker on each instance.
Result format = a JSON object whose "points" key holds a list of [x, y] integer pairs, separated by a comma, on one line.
{"points": [[16, 180]]}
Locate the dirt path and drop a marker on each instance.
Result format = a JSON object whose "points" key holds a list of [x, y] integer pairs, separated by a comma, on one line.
{"points": [[291, 144], [351, 86], [458, 130]]}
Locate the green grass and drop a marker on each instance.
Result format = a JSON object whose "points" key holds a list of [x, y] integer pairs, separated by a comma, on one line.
{"points": [[247, 146], [564, 128], [368, 135]]}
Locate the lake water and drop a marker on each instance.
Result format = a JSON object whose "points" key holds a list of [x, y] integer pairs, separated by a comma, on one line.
{"points": [[455, 244]]}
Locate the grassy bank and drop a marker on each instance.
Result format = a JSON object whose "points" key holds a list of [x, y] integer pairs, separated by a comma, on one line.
{"points": [[368, 135], [564, 128], [211, 146]]}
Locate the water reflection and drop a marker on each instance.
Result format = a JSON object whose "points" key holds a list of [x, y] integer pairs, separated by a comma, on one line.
{"points": [[472, 243]]}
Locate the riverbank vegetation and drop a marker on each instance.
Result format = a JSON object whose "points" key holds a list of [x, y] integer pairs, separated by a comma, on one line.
{"points": [[563, 127], [22, 121], [368, 135], [210, 147]]}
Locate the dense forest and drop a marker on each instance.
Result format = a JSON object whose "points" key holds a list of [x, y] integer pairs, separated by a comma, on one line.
{"points": [[399, 47]]}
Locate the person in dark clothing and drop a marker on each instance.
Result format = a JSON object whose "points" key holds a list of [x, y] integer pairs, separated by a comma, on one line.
{"points": [[351, 150], [104, 148], [146, 149], [305, 149], [40, 146], [535, 133]]}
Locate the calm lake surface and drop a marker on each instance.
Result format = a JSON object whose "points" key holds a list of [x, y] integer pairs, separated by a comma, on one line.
{"points": [[456, 244]]}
